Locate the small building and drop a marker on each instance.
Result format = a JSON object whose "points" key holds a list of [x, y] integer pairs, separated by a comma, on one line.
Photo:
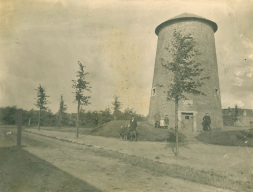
{"points": [[243, 117]]}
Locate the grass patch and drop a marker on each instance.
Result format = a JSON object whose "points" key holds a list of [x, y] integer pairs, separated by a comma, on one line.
{"points": [[145, 131], [206, 177], [22, 171], [243, 138]]}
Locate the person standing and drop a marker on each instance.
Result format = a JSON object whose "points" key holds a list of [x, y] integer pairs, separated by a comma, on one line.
{"points": [[206, 122], [157, 120], [133, 126], [166, 121]]}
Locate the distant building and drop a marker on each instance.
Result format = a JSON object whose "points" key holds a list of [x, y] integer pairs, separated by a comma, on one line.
{"points": [[244, 117], [191, 111]]}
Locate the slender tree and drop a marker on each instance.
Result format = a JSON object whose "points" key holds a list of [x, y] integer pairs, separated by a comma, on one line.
{"points": [[236, 113], [41, 101], [116, 107], [184, 71], [80, 85], [61, 112]]}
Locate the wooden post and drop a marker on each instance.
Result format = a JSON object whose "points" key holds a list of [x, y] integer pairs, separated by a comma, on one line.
{"points": [[19, 129], [176, 124]]}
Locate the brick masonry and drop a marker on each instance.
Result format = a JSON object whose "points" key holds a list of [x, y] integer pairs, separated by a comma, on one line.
{"points": [[202, 31]]}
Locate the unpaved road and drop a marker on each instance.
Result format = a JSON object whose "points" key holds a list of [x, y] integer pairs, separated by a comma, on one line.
{"points": [[104, 172]]}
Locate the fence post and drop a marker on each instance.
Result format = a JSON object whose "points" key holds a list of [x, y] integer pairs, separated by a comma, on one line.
{"points": [[19, 128]]}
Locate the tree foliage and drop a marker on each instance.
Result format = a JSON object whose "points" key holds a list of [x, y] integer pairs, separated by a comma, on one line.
{"points": [[89, 119], [63, 106], [184, 71], [95, 118], [236, 113], [41, 101], [81, 85], [61, 111], [116, 107], [8, 115]]}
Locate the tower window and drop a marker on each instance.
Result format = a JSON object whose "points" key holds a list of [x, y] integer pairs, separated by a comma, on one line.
{"points": [[153, 92], [217, 92]]}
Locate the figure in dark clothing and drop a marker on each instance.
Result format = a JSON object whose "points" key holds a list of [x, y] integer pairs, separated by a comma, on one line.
{"points": [[166, 121], [133, 126], [206, 123], [157, 120], [124, 132]]}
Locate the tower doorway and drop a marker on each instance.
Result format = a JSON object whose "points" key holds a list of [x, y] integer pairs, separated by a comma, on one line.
{"points": [[187, 122]]}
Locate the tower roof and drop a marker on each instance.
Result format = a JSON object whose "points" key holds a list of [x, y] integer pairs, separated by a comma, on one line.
{"points": [[186, 17]]}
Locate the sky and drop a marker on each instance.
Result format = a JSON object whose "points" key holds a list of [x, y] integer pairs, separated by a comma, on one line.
{"points": [[41, 42]]}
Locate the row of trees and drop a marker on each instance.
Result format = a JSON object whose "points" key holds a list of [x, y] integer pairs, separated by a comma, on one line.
{"points": [[185, 72], [80, 85], [44, 116], [8, 116]]}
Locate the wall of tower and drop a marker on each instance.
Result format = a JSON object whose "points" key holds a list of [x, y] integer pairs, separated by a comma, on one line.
{"points": [[203, 35]]}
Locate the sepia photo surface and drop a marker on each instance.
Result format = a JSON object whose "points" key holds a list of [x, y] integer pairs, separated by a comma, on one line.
{"points": [[126, 95]]}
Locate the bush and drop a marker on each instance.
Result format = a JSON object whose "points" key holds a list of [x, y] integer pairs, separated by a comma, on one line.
{"points": [[8, 115], [172, 137]]}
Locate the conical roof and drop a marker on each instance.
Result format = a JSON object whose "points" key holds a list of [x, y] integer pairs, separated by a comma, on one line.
{"points": [[186, 17]]}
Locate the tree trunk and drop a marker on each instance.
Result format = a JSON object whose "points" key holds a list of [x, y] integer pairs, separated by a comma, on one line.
{"points": [[77, 119], [176, 125], [60, 123], [39, 120]]}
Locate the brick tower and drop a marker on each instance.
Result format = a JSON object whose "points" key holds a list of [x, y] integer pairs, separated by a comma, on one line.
{"points": [[191, 111]]}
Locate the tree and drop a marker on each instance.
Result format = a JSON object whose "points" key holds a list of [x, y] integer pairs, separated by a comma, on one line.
{"points": [[106, 116], [80, 85], [41, 101], [184, 71], [49, 119], [236, 113], [61, 112], [116, 107], [8, 115]]}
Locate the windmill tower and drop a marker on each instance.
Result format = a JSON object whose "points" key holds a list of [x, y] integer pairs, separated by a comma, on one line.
{"points": [[191, 111]]}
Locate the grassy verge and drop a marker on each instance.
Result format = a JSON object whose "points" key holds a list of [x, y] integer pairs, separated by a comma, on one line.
{"points": [[112, 129], [145, 132], [21, 171], [242, 138], [207, 177]]}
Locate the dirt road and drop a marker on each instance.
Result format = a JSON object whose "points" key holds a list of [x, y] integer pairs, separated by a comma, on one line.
{"points": [[104, 172]]}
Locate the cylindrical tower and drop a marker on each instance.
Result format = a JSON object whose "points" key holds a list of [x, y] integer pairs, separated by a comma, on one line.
{"points": [[191, 111]]}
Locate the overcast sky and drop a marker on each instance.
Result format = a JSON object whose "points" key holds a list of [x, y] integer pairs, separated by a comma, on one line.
{"points": [[41, 42]]}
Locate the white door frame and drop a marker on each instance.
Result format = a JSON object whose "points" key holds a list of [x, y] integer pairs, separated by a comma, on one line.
{"points": [[194, 119]]}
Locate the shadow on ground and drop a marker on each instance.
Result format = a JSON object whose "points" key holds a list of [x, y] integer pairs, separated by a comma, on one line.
{"points": [[21, 171]]}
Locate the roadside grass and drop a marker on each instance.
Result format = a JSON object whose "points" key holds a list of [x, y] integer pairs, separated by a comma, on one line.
{"points": [[206, 177], [22, 171], [242, 138], [41, 176], [145, 132]]}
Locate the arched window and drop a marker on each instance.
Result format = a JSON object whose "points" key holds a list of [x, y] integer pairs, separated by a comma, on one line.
{"points": [[153, 92]]}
